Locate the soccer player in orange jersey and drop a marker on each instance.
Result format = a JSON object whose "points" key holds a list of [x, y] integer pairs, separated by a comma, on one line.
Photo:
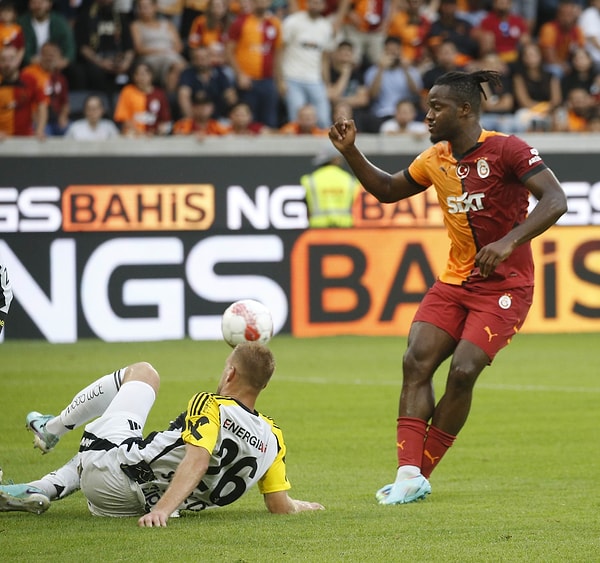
{"points": [[483, 180]]}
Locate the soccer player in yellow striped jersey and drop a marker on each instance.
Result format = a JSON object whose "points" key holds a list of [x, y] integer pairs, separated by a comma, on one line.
{"points": [[483, 180], [212, 454]]}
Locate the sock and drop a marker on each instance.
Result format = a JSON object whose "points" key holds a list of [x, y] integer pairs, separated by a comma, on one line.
{"points": [[89, 403], [410, 434], [60, 483], [436, 445]]}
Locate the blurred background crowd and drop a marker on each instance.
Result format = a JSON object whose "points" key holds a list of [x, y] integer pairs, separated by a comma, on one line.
{"points": [[95, 69]]}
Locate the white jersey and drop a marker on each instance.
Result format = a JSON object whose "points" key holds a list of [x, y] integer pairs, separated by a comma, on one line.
{"points": [[246, 448], [305, 41]]}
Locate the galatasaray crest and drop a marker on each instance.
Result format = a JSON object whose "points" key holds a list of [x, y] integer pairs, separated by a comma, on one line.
{"points": [[483, 168]]}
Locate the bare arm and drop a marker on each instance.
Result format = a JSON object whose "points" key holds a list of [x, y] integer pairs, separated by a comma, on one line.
{"points": [[187, 476], [386, 187], [552, 204], [281, 503]]}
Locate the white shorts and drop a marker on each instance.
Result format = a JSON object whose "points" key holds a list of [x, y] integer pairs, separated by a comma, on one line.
{"points": [[108, 490]]}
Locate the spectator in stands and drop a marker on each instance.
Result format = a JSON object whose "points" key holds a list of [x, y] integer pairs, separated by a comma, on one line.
{"points": [[537, 91], [449, 26], [11, 33], [389, 81], [201, 122], [581, 74], [502, 32], [143, 108], [105, 47], [306, 123], [345, 82], [497, 107], [560, 36], [241, 122], [364, 26], [202, 76], [405, 122], [92, 126], [407, 23], [212, 26], [20, 96], [307, 39], [40, 24], [446, 59], [589, 22], [191, 10], [253, 52], [579, 106], [54, 85], [157, 42]]}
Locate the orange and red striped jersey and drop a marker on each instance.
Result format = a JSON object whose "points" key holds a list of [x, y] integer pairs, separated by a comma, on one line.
{"points": [[564, 42], [256, 42], [54, 85], [17, 102], [482, 196], [411, 34], [201, 36], [144, 111]]}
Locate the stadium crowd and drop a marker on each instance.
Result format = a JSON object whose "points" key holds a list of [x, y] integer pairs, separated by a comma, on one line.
{"points": [[95, 69]]}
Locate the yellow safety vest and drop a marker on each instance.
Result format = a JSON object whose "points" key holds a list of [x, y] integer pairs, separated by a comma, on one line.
{"points": [[330, 193]]}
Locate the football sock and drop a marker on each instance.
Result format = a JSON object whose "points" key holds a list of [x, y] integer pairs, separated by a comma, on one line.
{"points": [[410, 437], [436, 445], [60, 483], [89, 403]]}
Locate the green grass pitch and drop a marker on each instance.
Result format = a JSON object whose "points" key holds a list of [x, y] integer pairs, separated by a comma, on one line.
{"points": [[522, 482]]}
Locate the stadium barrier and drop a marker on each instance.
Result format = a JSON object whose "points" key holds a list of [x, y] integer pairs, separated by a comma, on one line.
{"points": [[150, 240]]}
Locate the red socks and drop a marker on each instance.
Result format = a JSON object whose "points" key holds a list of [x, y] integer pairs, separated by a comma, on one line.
{"points": [[436, 445], [410, 439], [420, 445]]}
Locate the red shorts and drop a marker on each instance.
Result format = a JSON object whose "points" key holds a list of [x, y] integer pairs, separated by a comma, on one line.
{"points": [[488, 319]]}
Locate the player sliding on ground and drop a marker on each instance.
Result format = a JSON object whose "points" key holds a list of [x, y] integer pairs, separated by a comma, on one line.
{"points": [[483, 180], [214, 451]]}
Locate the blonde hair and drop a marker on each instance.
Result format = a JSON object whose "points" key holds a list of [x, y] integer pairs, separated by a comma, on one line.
{"points": [[254, 363]]}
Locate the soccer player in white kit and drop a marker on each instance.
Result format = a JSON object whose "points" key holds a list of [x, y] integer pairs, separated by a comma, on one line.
{"points": [[216, 450]]}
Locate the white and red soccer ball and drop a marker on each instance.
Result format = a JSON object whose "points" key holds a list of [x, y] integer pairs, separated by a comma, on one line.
{"points": [[246, 320]]}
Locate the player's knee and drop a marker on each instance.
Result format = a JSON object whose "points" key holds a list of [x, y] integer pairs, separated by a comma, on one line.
{"points": [[143, 371], [462, 377]]}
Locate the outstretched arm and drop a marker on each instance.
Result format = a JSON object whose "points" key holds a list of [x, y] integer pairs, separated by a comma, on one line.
{"points": [[386, 187], [187, 476], [552, 204], [281, 503]]}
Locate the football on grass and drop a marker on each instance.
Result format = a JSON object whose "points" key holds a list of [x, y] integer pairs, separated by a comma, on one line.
{"points": [[246, 321]]}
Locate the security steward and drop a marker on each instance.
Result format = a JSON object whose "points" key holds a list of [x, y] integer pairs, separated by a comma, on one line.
{"points": [[330, 191]]}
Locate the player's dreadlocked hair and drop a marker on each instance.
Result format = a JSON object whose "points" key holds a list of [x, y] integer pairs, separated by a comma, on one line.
{"points": [[466, 86]]}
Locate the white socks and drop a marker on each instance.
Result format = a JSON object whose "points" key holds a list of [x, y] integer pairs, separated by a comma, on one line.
{"points": [[89, 403]]}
